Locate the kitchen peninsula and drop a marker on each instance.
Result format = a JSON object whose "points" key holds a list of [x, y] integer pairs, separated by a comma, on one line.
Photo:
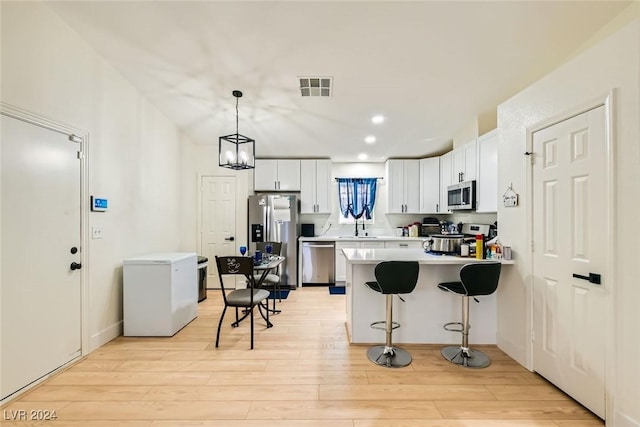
{"points": [[424, 311]]}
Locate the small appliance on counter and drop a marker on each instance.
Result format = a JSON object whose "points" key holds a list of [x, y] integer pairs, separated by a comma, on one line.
{"points": [[463, 243], [307, 230], [471, 233], [429, 227]]}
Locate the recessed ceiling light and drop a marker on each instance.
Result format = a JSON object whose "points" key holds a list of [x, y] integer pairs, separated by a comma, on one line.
{"points": [[362, 156], [377, 119], [370, 139]]}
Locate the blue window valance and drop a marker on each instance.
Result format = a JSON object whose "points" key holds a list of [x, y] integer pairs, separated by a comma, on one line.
{"points": [[357, 196]]}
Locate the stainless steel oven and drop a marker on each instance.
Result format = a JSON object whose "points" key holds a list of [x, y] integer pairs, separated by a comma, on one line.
{"points": [[461, 196]]}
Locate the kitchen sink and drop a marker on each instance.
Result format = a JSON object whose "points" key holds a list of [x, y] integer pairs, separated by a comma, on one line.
{"points": [[357, 237]]}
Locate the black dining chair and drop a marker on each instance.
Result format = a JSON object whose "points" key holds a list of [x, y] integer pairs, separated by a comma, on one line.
{"points": [[240, 298], [475, 279], [392, 278], [271, 281]]}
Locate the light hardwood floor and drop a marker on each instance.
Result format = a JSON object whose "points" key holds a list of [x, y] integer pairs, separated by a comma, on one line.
{"points": [[302, 373]]}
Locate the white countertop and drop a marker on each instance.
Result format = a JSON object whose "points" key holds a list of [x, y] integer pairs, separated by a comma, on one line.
{"points": [[359, 239], [376, 255]]}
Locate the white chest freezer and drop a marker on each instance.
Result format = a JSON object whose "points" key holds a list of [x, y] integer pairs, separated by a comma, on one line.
{"points": [[160, 293]]}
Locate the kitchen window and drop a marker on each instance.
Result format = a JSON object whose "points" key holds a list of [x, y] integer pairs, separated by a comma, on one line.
{"points": [[357, 199]]}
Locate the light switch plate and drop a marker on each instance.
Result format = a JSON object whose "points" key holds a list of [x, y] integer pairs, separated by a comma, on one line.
{"points": [[96, 232]]}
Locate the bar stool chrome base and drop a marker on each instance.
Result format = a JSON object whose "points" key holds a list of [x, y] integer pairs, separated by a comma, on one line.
{"points": [[390, 357], [466, 357]]}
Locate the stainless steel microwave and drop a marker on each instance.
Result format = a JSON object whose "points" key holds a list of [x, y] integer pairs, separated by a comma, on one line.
{"points": [[461, 196]]}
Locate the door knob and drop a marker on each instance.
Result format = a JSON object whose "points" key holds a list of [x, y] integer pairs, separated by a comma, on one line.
{"points": [[230, 239], [75, 266], [596, 279]]}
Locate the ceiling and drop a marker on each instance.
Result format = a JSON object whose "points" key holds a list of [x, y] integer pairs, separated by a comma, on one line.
{"points": [[430, 67]]}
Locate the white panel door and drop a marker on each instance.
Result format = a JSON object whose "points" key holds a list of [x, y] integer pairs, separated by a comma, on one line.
{"points": [[570, 179], [40, 293], [218, 223]]}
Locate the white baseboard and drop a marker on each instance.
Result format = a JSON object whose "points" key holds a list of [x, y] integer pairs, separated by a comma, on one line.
{"points": [[515, 351], [105, 335], [622, 420]]}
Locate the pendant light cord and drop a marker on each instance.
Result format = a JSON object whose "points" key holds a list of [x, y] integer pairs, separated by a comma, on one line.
{"points": [[237, 116]]}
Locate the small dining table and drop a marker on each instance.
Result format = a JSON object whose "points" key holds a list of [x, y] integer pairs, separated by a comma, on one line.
{"points": [[269, 263], [264, 267]]}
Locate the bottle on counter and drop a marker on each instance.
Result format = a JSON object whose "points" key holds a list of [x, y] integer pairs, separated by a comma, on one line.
{"points": [[480, 253]]}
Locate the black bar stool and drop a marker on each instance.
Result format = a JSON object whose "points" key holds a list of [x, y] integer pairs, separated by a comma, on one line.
{"points": [[392, 278], [475, 279]]}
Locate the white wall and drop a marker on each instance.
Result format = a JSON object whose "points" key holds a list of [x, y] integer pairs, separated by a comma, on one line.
{"points": [[202, 160], [134, 151], [613, 63]]}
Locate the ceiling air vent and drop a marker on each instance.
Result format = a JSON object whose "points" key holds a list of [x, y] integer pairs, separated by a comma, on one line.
{"points": [[315, 86]]}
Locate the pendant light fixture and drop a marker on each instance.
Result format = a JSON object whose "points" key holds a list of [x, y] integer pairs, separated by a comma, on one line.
{"points": [[237, 151]]}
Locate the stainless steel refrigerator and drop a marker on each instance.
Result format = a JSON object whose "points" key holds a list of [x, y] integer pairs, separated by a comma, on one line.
{"points": [[274, 218]]}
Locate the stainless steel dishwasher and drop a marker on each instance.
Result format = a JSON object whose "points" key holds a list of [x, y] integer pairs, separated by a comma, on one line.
{"points": [[318, 263]]}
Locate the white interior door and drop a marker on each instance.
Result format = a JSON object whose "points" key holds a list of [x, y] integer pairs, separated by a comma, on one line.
{"points": [[39, 292], [570, 238], [218, 223]]}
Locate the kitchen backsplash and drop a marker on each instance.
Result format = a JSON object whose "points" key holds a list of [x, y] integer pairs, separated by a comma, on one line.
{"points": [[328, 225]]}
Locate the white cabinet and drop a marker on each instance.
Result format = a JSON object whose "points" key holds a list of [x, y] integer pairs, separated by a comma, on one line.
{"points": [[403, 185], [430, 185], [465, 162], [487, 185], [276, 174], [446, 175], [341, 261], [160, 293], [399, 244], [315, 185]]}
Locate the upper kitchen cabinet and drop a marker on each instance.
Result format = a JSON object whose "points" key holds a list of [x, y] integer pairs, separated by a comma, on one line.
{"points": [[315, 186], [465, 162], [276, 174], [487, 185], [404, 186], [446, 179], [430, 185]]}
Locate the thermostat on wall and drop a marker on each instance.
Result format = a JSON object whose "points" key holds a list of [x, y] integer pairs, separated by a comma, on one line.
{"points": [[99, 204]]}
